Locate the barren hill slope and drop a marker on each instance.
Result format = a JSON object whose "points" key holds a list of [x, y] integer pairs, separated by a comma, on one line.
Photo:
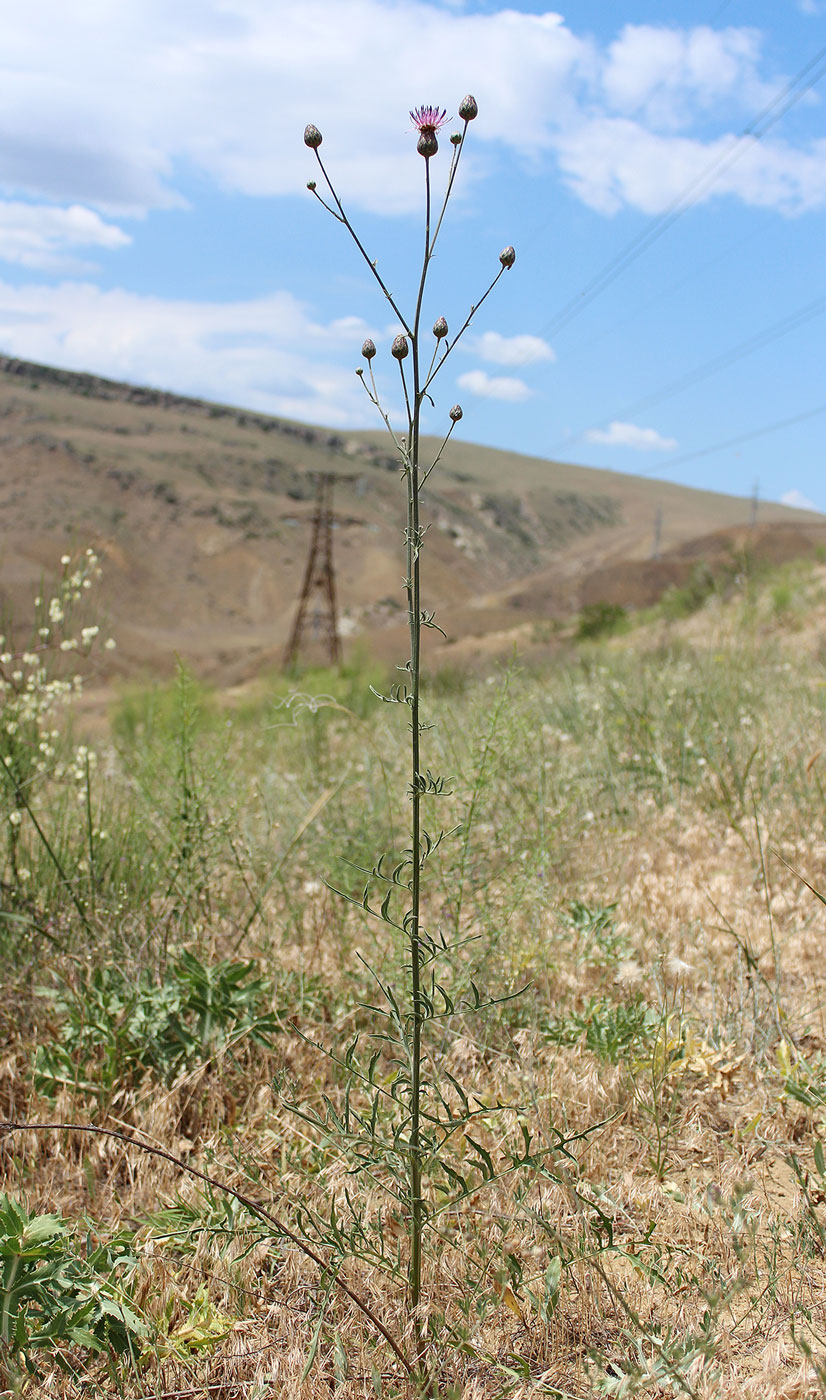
{"points": [[202, 513]]}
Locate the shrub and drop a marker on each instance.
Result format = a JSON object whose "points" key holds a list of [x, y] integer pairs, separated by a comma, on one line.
{"points": [[601, 620]]}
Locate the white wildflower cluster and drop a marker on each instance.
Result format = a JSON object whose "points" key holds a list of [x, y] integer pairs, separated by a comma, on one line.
{"points": [[79, 765], [35, 683]]}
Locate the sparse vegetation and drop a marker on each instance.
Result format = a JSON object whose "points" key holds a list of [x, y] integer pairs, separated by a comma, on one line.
{"points": [[623, 812]]}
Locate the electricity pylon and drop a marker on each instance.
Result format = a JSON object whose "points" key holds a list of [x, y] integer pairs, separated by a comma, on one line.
{"points": [[319, 578]]}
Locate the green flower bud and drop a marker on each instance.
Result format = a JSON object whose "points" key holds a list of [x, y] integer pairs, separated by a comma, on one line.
{"points": [[368, 349], [507, 257], [427, 145], [440, 328], [399, 348], [468, 108], [312, 137], [456, 413]]}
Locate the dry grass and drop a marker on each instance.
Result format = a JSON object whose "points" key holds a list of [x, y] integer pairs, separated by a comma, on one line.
{"points": [[639, 821]]}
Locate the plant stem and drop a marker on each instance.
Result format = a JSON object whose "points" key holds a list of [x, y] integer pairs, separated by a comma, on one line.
{"points": [[22, 801], [415, 623], [7, 1127]]}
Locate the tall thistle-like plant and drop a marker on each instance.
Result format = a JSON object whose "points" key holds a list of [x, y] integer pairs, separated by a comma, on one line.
{"points": [[427, 1121]]}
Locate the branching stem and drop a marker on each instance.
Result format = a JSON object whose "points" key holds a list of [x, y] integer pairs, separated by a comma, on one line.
{"points": [[352, 232], [254, 1206]]}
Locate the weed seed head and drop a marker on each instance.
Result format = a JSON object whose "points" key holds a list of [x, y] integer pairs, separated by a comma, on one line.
{"points": [[312, 137], [399, 348], [368, 349], [456, 413], [507, 257], [440, 328], [468, 108]]}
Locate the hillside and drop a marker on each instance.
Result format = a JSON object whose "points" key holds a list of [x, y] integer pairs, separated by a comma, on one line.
{"points": [[202, 514]]}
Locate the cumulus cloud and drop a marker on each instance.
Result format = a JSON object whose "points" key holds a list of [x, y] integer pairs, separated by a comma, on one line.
{"points": [[506, 389], [513, 350], [798, 500], [240, 352], [611, 161], [619, 434], [667, 74], [225, 87], [42, 235]]}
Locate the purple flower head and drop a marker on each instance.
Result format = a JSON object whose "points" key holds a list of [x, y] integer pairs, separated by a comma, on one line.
{"points": [[427, 120]]}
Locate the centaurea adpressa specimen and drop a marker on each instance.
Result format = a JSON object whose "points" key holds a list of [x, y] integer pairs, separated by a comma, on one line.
{"points": [[417, 1145]]}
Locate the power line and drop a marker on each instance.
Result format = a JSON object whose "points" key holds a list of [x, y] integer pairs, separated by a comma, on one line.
{"points": [[755, 130], [730, 357], [733, 442], [641, 307], [719, 362]]}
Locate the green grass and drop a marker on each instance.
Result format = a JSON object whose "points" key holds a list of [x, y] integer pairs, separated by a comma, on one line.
{"points": [[174, 955]]}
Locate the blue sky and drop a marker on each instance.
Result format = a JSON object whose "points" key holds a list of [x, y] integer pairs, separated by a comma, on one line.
{"points": [[155, 223]]}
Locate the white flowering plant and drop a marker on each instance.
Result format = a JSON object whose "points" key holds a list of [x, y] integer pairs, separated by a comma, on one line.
{"points": [[38, 677]]}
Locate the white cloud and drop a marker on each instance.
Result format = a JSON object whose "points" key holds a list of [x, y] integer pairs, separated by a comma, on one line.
{"points": [[266, 354], [227, 86], [41, 235], [612, 161], [512, 350], [798, 500], [103, 104], [506, 389], [667, 73], [619, 434]]}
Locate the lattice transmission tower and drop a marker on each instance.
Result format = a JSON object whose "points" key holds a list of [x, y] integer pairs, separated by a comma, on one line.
{"points": [[319, 586]]}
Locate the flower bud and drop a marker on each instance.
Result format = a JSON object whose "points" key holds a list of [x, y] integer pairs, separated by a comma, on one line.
{"points": [[507, 257], [440, 328], [468, 108], [311, 185], [456, 139], [455, 413], [399, 348], [368, 349], [427, 145], [312, 137]]}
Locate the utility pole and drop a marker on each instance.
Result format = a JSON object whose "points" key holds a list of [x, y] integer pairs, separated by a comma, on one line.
{"points": [[658, 533], [319, 578], [755, 502]]}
